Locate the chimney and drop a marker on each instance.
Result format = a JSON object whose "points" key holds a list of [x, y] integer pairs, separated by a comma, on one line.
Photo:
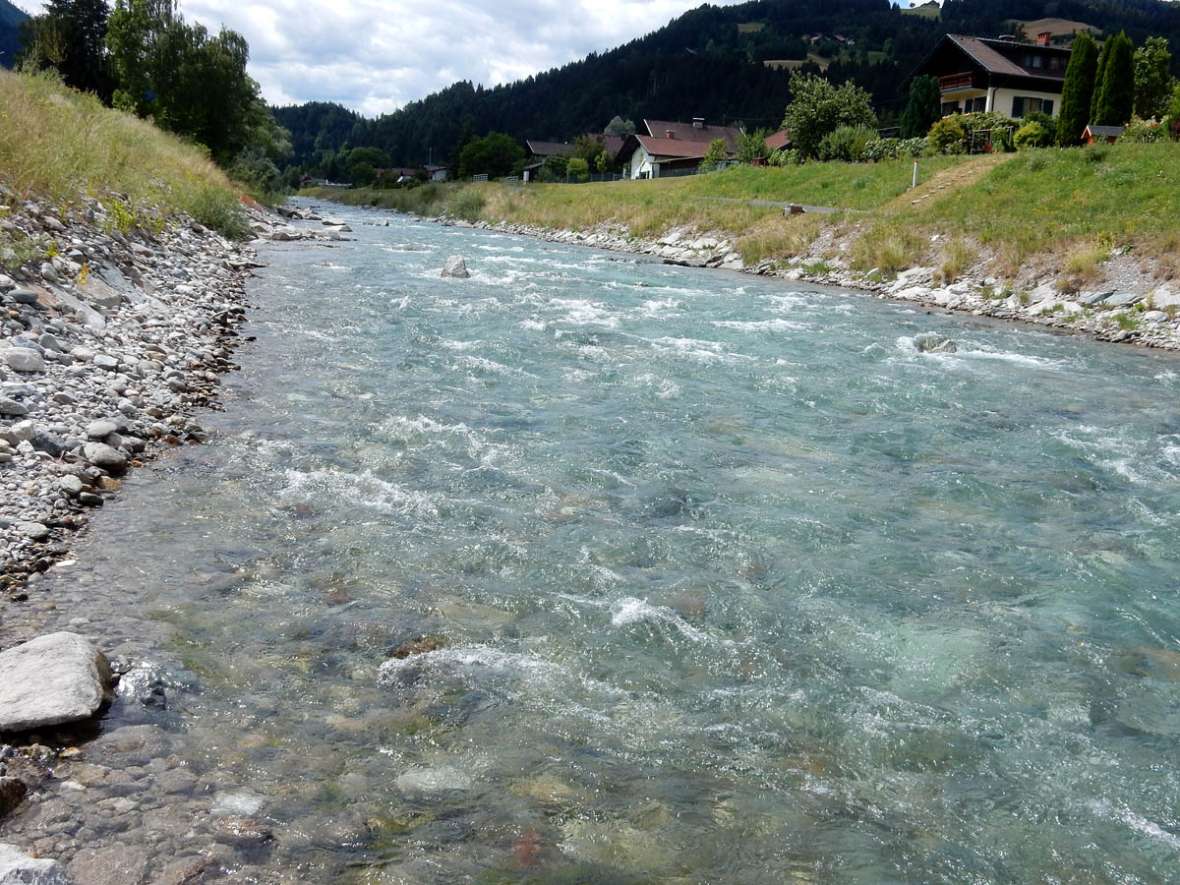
{"points": [[1044, 39], [698, 122], [668, 133]]}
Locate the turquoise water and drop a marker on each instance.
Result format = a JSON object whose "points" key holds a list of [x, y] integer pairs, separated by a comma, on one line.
{"points": [[731, 583]]}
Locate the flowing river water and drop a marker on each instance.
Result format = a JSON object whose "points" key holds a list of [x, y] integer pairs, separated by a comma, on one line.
{"points": [[722, 581]]}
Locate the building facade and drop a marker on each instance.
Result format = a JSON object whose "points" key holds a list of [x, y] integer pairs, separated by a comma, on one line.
{"points": [[1006, 76]]}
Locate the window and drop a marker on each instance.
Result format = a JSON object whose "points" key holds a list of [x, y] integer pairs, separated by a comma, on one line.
{"points": [[1022, 106], [1034, 61], [950, 107], [977, 104]]}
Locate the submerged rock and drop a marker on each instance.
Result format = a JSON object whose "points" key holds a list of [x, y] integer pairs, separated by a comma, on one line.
{"points": [[433, 781], [932, 342], [17, 868], [51, 680], [456, 268]]}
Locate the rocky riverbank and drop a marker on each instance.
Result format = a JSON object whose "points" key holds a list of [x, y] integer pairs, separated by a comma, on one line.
{"points": [[1127, 304], [111, 342]]}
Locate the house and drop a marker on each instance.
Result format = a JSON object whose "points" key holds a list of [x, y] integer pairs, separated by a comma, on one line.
{"points": [[670, 148], [436, 173], [1007, 76], [1095, 134], [540, 151]]}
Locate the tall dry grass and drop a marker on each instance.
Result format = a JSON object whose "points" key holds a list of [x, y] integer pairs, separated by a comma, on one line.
{"points": [[62, 145]]}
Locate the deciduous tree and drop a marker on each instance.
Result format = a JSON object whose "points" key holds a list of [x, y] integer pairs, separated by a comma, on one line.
{"points": [[1153, 78], [818, 108]]}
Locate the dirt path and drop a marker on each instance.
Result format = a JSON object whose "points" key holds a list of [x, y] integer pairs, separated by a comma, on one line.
{"points": [[949, 180]]}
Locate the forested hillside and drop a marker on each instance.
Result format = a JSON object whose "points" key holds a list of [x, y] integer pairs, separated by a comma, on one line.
{"points": [[729, 64], [11, 20]]}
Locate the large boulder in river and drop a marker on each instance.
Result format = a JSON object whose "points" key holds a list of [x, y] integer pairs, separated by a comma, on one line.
{"points": [[17, 868], [456, 268], [51, 680], [932, 342]]}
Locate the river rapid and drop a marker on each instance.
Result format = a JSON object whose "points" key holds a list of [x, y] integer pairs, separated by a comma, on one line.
{"points": [[720, 581]]}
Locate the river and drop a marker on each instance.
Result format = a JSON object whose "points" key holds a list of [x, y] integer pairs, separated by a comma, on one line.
{"points": [[720, 580]]}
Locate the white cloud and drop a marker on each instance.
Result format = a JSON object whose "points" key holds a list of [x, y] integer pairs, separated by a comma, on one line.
{"points": [[376, 55]]}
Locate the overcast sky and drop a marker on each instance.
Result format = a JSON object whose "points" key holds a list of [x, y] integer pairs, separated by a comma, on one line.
{"points": [[376, 55]]}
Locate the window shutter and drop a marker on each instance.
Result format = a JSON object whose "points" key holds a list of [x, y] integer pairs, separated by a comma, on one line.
{"points": [[1018, 107], [1047, 107]]}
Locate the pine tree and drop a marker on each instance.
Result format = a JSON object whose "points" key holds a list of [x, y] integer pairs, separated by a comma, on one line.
{"points": [[923, 108], [1115, 94], [1078, 93], [1099, 79]]}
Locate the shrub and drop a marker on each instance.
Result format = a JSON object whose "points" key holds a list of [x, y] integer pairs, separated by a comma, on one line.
{"points": [[578, 169], [785, 157], [847, 143], [1033, 135], [948, 135], [1141, 131], [819, 108], [882, 149]]}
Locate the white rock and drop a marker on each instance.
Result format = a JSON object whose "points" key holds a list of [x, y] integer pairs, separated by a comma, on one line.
{"points": [[102, 455], [456, 268], [17, 868], [50, 680]]}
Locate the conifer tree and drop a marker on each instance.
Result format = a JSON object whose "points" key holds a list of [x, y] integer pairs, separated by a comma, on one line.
{"points": [[923, 108], [1078, 93], [1115, 94], [1099, 77]]}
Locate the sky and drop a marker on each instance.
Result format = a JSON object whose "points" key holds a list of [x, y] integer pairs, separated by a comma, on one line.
{"points": [[376, 55]]}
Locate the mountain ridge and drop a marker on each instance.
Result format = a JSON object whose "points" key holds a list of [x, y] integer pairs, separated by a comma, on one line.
{"points": [[711, 62]]}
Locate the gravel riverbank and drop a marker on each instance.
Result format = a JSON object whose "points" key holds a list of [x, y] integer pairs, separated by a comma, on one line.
{"points": [[110, 344]]}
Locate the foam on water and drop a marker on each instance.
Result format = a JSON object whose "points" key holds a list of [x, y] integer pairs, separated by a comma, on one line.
{"points": [[698, 563]]}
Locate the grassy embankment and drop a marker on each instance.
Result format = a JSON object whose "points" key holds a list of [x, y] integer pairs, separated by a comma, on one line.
{"points": [[61, 145], [1069, 209]]}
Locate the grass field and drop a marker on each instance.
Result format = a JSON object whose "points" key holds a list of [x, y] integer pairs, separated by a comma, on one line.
{"points": [[60, 144], [1059, 202], [1068, 204]]}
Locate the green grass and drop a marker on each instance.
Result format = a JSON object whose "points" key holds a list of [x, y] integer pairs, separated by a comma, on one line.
{"points": [[1072, 207], [1063, 202], [61, 145], [738, 201]]}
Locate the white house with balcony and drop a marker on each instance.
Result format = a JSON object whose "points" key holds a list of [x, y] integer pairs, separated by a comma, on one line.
{"points": [[1007, 76]]}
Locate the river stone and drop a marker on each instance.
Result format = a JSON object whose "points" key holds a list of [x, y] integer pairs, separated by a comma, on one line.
{"points": [[51, 680], [21, 359], [102, 455], [932, 342], [10, 408], [17, 868], [117, 865], [456, 268], [71, 485], [433, 781], [23, 296], [105, 361], [34, 531], [100, 430]]}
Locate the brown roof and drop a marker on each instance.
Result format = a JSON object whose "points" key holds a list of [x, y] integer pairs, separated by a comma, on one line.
{"points": [[550, 149], [678, 148], [984, 53], [688, 132], [780, 139]]}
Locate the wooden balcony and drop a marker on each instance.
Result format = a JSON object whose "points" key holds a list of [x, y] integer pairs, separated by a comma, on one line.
{"points": [[956, 82]]}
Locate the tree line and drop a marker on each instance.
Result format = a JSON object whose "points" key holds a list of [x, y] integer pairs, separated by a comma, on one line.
{"points": [[143, 57]]}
